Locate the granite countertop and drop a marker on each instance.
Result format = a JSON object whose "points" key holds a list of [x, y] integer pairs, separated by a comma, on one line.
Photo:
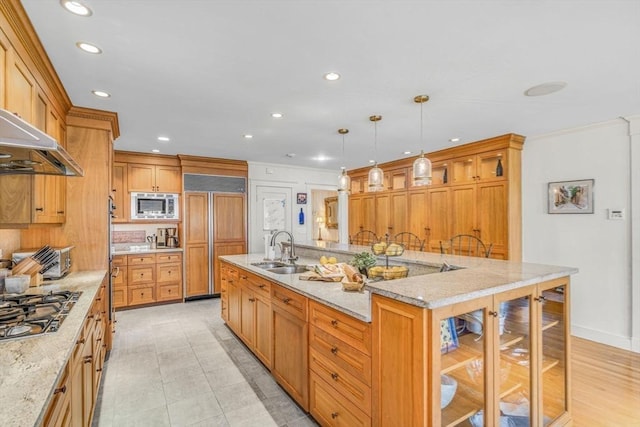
{"points": [[355, 304], [473, 278], [31, 366], [145, 250]]}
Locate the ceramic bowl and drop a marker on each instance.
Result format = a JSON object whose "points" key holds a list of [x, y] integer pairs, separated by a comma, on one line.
{"points": [[448, 386]]}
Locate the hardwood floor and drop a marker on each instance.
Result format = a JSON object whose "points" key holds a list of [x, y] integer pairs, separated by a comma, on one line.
{"points": [[605, 386]]}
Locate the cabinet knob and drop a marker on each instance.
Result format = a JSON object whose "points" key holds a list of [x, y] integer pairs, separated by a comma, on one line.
{"points": [[99, 370], [60, 212], [243, 277], [334, 415], [286, 300], [334, 376], [261, 286], [39, 209], [541, 298], [62, 390], [334, 350], [334, 323], [252, 299], [493, 313], [88, 359], [80, 341]]}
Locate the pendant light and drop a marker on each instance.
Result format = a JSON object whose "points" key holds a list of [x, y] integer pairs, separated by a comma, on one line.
{"points": [[344, 181], [375, 173], [422, 165]]}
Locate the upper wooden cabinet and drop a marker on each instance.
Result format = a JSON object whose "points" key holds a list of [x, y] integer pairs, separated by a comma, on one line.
{"points": [[475, 190], [119, 192], [151, 178]]}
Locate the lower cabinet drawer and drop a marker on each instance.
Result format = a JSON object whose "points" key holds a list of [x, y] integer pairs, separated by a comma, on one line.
{"points": [[169, 291], [341, 381], [141, 295], [168, 272], [119, 296], [330, 409]]}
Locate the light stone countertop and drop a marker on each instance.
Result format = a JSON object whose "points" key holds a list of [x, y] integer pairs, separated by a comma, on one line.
{"points": [[30, 367], [473, 278], [355, 304], [145, 251]]}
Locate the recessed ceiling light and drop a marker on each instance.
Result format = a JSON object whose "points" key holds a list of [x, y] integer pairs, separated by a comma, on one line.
{"points": [[331, 76], [101, 94], [76, 7], [88, 47], [454, 139], [155, 151], [247, 136], [276, 115], [290, 155], [545, 88], [164, 138], [406, 152], [321, 158]]}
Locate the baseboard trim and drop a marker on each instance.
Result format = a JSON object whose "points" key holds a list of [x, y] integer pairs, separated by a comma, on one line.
{"points": [[624, 343]]}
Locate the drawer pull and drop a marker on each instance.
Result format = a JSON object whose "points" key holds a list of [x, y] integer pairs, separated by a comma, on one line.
{"points": [[334, 350], [493, 313], [243, 277], [99, 370], [334, 376], [334, 323], [252, 299], [334, 415], [539, 299], [80, 341], [262, 286], [90, 316], [62, 390], [286, 300], [87, 359]]}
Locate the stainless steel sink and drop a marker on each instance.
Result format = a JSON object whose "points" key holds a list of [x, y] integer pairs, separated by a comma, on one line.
{"points": [[269, 264], [288, 269]]}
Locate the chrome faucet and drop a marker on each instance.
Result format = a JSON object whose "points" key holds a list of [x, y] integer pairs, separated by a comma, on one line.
{"points": [[286, 256]]}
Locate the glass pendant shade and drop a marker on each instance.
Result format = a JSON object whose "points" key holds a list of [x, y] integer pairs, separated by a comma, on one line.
{"points": [[344, 182], [376, 177], [421, 171]]}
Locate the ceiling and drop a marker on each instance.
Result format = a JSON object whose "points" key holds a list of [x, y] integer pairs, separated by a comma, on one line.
{"points": [[206, 72]]}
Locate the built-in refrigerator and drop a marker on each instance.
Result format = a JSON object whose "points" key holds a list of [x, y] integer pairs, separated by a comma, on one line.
{"points": [[215, 223]]}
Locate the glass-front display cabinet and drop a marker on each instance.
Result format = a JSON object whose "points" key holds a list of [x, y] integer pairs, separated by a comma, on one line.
{"points": [[503, 362]]}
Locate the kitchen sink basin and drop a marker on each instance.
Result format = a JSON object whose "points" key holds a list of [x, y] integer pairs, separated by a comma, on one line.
{"points": [[288, 269], [269, 264]]}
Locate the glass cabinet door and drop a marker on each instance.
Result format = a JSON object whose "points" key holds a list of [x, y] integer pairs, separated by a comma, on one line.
{"points": [[554, 353], [513, 359], [462, 369]]}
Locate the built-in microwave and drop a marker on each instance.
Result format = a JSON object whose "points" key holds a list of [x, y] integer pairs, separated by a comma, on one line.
{"points": [[154, 206]]}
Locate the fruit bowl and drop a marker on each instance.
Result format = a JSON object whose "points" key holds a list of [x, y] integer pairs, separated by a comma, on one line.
{"points": [[388, 273], [379, 248]]}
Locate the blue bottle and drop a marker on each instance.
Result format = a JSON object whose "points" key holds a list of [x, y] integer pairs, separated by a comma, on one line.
{"points": [[301, 217]]}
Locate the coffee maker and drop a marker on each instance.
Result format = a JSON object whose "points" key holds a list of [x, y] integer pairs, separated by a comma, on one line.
{"points": [[172, 237], [162, 238]]}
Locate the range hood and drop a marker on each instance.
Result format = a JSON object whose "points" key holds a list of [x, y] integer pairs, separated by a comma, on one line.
{"points": [[26, 150]]}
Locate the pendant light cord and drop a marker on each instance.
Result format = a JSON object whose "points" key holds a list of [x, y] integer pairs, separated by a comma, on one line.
{"points": [[375, 142]]}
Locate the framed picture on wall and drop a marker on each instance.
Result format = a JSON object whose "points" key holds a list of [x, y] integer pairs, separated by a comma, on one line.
{"points": [[302, 198], [571, 197]]}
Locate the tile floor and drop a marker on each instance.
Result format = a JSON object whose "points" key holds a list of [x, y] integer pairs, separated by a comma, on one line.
{"points": [[179, 365]]}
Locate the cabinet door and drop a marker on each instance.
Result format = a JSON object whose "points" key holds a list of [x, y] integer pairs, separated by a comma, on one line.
{"points": [[290, 362], [233, 288], [119, 193], [196, 243], [141, 177], [220, 249], [368, 213], [263, 342], [492, 221], [382, 216], [492, 165], [463, 170], [463, 210], [438, 218], [355, 215], [230, 218], [247, 316], [417, 213], [168, 179], [398, 213]]}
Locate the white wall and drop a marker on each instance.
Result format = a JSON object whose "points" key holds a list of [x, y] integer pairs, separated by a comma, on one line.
{"points": [[300, 180], [602, 294]]}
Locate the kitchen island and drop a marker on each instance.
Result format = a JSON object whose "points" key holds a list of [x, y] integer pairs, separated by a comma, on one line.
{"points": [[34, 367], [498, 329]]}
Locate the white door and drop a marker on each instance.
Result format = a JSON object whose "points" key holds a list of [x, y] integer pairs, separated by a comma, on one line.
{"points": [[271, 210]]}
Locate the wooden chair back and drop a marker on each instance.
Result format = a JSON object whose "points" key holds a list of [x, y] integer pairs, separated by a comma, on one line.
{"points": [[467, 245]]}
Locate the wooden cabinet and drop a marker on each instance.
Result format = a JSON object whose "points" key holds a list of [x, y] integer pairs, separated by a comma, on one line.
{"points": [[120, 194], [255, 315], [475, 190], [340, 367], [147, 278], [59, 410], [290, 341], [154, 178], [196, 243], [510, 356]]}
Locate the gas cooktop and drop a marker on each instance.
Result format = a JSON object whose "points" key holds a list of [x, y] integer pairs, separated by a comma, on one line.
{"points": [[23, 315]]}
